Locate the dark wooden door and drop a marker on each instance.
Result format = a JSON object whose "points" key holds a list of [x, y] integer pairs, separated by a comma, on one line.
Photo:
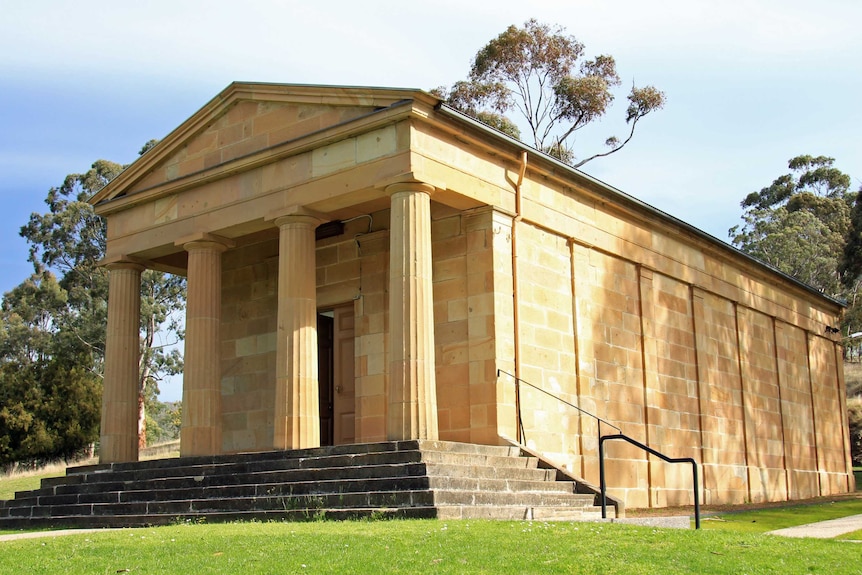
{"points": [[325, 376]]}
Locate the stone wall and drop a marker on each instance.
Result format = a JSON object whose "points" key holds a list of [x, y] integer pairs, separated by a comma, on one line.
{"points": [[723, 451], [694, 354], [372, 316], [352, 269], [473, 325], [249, 305]]}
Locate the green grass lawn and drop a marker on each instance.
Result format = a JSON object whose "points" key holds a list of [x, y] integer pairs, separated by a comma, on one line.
{"points": [[427, 546], [854, 536], [762, 520]]}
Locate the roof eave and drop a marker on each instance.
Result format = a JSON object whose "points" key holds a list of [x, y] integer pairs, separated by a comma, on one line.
{"points": [[631, 200]]}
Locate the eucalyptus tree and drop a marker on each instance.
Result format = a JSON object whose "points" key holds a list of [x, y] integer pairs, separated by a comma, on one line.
{"points": [[542, 74], [66, 245], [801, 224], [49, 399], [851, 258]]}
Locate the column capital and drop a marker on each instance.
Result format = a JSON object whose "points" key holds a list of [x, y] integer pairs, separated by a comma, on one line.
{"points": [[204, 245], [124, 265], [414, 187], [203, 240], [298, 219], [296, 214], [123, 261]]}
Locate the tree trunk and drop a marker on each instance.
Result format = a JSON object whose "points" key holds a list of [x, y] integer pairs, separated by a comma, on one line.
{"points": [[142, 422], [144, 365]]}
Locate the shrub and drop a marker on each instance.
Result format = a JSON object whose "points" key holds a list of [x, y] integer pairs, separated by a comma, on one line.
{"points": [[854, 415]]}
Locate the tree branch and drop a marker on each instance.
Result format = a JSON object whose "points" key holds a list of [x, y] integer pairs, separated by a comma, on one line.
{"points": [[615, 149]]}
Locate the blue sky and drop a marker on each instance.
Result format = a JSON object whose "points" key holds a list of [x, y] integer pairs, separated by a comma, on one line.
{"points": [[749, 83]]}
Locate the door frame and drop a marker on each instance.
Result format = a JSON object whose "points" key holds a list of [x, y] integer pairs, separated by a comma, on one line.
{"points": [[330, 369]]}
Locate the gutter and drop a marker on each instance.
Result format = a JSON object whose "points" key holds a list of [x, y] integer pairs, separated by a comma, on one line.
{"points": [[516, 315]]}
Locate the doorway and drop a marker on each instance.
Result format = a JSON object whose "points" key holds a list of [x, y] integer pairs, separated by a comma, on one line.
{"points": [[337, 384]]}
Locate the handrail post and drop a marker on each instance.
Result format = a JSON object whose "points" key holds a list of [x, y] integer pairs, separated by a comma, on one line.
{"points": [[696, 496], [519, 422], [602, 485]]}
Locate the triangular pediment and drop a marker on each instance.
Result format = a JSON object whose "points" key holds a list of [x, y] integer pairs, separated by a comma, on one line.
{"points": [[247, 119]]}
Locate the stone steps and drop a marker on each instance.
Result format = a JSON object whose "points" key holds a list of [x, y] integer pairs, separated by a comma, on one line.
{"points": [[388, 479]]}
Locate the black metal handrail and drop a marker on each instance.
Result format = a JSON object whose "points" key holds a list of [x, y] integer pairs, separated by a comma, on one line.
{"points": [[650, 450], [519, 381], [602, 439]]}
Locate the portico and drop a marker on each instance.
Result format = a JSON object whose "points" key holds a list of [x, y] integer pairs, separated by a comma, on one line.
{"points": [[296, 420]]}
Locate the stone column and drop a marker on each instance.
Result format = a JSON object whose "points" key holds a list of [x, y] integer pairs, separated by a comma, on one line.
{"points": [[412, 386], [201, 425], [297, 414], [119, 432]]}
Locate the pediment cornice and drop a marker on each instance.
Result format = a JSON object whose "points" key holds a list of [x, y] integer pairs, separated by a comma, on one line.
{"points": [[375, 99]]}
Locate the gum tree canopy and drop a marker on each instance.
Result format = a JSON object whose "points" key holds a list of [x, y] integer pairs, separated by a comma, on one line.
{"points": [[52, 328], [542, 74], [800, 222], [802, 225]]}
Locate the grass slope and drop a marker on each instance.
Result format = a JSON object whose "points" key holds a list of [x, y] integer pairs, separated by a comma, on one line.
{"points": [[27, 481], [30, 480]]}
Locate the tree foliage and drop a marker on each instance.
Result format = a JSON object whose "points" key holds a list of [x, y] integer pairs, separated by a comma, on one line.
{"points": [[801, 224], [52, 328], [541, 73], [851, 258], [49, 403], [163, 421], [854, 412]]}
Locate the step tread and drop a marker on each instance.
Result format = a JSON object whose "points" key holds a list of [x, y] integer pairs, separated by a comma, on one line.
{"points": [[225, 468], [352, 473], [460, 470]]}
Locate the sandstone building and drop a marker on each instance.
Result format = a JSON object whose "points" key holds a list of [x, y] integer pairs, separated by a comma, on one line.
{"points": [[367, 264]]}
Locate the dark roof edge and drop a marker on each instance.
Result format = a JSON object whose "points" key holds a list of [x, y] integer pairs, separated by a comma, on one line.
{"points": [[448, 110]]}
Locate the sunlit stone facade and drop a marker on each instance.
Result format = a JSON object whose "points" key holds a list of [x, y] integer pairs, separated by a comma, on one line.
{"points": [[461, 257]]}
